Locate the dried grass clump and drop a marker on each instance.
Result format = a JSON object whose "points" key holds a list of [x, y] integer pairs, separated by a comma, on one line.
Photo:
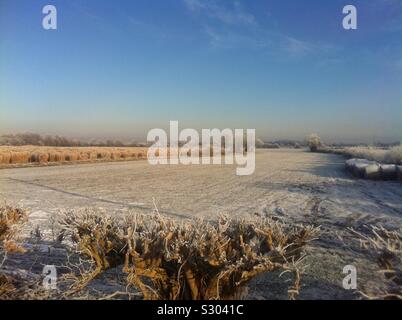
{"points": [[10, 219], [170, 260], [7, 288], [386, 248], [18, 288]]}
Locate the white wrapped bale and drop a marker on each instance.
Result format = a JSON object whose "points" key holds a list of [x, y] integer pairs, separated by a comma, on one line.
{"points": [[372, 172], [388, 171], [349, 164], [359, 167]]}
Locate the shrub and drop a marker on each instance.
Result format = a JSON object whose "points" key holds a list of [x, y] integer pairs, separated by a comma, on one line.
{"points": [[170, 260], [394, 155], [314, 142], [207, 262], [97, 237]]}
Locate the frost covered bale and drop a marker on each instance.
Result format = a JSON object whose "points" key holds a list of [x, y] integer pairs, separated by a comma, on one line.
{"points": [[349, 164], [359, 167], [372, 172], [388, 171]]}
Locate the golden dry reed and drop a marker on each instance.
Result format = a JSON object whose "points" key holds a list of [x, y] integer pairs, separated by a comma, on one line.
{"points": [[25, 155]]}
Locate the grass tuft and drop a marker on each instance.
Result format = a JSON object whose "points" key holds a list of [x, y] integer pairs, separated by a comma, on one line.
{"points": [[385, 246]]}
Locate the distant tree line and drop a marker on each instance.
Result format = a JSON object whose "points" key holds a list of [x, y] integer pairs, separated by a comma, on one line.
{"points": [[22, 139]]}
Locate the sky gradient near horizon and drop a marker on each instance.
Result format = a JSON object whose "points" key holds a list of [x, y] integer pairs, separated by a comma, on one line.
{"points": [[115, 69]]}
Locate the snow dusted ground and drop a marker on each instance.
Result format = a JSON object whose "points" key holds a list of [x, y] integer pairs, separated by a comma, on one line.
{"points": [[294, 185]]}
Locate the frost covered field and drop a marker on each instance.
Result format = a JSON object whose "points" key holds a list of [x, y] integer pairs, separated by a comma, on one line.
{"points": [[291, 185]]}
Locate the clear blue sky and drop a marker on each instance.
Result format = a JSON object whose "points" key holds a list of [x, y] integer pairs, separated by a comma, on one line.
{"points": [[285, 67]]}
